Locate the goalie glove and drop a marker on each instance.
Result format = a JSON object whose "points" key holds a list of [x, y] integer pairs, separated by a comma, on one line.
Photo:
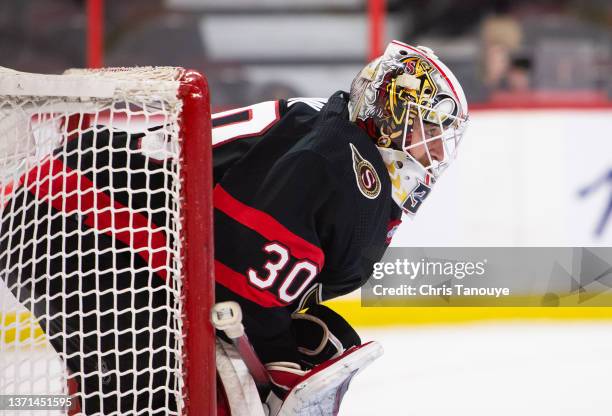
{"points": [[321, 335], [317, 392]]}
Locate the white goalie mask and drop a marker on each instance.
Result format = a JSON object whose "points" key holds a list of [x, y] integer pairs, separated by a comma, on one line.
{"points": [[414, 108]]}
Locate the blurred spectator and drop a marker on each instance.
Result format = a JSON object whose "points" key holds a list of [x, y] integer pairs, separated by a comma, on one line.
{"points": [[501, 37], [518, 76], [496, 64]]}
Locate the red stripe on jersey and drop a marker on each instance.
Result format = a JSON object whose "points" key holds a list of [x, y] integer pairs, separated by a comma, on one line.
{"points": [[265, 225], [70, 192], [239, 284], [5, 194]]}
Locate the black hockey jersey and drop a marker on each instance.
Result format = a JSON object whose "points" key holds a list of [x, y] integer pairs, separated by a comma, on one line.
{"points": [[303, 207]]}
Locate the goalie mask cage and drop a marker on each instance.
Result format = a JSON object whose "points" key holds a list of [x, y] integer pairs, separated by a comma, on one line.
{"points": [[106, 240]]}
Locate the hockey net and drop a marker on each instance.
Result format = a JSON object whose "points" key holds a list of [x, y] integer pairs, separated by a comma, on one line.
{"points": [[106, 240]]}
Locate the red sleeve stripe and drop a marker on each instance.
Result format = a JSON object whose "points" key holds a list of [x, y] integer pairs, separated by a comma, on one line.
{"points": [[239, 284], [70, 192], [5, 194], [266, 226]]}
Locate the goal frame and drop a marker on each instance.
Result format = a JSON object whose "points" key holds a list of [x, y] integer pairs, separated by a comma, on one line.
{"points": [[194, 123], [195, 127]]}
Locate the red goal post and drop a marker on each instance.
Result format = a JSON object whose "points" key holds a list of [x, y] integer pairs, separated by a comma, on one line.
{"points": [[62, 139]]}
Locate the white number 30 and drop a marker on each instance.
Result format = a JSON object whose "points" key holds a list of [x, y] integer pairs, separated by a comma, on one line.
{"points": [[275, 267]]}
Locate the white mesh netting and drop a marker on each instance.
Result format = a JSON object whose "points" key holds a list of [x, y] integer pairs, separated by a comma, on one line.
{"points": [[90, 247]]}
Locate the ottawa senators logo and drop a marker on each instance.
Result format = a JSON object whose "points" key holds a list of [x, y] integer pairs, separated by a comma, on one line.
{"points": [[368, 181]]}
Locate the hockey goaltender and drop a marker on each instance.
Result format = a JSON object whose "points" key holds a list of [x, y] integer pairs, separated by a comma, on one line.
{"points": [[304, 188]]}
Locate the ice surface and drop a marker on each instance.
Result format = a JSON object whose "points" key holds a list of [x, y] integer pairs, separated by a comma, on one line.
{"points": [[33, 370], [556, 369]]}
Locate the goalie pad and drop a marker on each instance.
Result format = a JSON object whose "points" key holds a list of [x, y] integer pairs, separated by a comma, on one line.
{"points": [[238, 385], [320, 391]]}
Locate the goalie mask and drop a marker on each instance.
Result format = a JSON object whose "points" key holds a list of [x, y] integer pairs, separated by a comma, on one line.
{"points": [[414, 108]]}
